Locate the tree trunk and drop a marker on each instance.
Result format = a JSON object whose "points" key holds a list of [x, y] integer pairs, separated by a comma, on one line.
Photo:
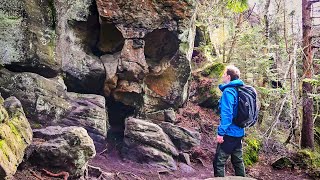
{"points": [[307, 134], [266, 22], [235, 37]]}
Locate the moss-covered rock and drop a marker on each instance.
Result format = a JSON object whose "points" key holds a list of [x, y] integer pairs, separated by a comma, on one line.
{"points": [[27, 36], [205, 85], [15, 136], [309, 160], [251, 151], [204, 91], [283, 162], [214, 71]]}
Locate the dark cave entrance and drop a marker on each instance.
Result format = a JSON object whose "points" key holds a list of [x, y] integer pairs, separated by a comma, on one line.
{"points": [[117, 113], [42, 70], [110, 39], [160, 45]]}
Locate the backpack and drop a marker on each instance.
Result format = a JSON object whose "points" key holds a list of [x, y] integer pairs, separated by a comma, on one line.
{"points": [[247, 107]]}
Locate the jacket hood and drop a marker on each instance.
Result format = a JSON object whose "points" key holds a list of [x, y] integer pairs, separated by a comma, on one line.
{"points": [[234, 83]]}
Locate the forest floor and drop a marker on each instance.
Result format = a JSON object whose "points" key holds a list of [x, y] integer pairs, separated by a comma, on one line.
{"points": [[205, 120], [109, 159]]}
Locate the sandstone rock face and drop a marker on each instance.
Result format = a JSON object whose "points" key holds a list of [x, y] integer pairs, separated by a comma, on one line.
{"points": [[78, 32], [47, 103], [49, 37], [28, 42], [146, 142], [68, 149], [154, 40], [123, 49], [15, 136], [136, 52]]}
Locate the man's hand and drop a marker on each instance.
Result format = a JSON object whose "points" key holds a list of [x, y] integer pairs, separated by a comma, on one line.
{"points": [[220, 139]]}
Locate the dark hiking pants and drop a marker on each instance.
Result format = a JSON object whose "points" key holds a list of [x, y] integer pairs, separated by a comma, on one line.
{"points": [[221, 158]]}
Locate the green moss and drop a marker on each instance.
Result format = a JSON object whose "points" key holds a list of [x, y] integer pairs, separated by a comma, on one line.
{"points": [[251, 151], [1, 100], [1, 144], [3, 148], [214, 71], [52, 12], [184, 47], [3, 114], [310, 159], [213, 90], [15, 131], [36, 126], [9, 20], [52, 46]]}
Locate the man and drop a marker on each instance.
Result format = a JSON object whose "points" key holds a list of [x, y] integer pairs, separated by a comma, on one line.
{"points": [[229, 136]]}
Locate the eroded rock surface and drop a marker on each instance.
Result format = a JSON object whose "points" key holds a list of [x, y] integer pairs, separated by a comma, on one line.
{"points": [[130, 51], [28, 43], [15, 136], [155, 42], [183, 138], [47, 103], [146, 142], [64, 148]]}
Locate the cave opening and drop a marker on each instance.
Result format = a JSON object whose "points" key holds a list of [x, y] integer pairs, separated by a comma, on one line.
{"points": [[110, 39], [160, 45], [117, 113], [98, 38], [97, 35]]}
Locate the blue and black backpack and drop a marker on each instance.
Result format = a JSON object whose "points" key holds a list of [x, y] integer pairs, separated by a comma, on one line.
{"points": [[247, 107]]}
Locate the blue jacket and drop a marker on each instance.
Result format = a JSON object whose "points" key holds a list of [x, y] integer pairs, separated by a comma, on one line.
{"points": [[228, 109]]}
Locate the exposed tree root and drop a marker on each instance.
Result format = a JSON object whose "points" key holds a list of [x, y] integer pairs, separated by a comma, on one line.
{"points": [[64, 174], [36, 175], [202, 162]]}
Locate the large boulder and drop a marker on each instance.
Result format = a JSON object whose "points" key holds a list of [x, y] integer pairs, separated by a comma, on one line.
{"points": [[183, 138], [15, 136], [67, 149], [146, 142], [46, 103], [155, 41]]}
